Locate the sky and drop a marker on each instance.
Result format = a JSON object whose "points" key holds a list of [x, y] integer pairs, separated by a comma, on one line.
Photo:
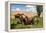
{"points": [[24, 7], [16, 6]]}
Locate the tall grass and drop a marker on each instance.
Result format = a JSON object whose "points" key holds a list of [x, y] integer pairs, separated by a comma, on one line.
{"points": [[15, 25]]}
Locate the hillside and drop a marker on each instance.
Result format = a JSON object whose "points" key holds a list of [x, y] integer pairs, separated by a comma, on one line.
{"points": [[29, 14]]}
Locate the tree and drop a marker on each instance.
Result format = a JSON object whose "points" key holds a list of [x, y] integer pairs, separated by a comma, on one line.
{"points": [[39, 9]]}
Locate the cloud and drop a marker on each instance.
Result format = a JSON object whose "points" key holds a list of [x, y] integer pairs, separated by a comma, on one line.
{"points": [[13, 9], [29, 6], [17, 8]]}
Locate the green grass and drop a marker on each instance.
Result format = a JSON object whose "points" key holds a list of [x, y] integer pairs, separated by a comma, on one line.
{"points": [[22, 26]]}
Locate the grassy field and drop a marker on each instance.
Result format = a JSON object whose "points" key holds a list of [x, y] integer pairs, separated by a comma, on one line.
{"points": [[22, 26]]}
